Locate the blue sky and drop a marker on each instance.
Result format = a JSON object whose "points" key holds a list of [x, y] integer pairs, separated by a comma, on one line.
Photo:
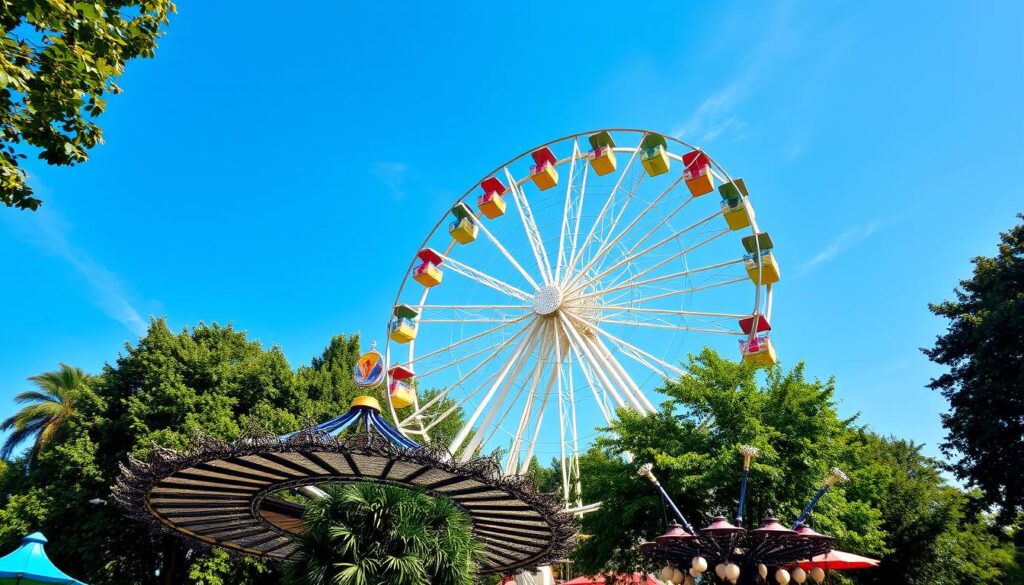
{"points": [[275, 169]]}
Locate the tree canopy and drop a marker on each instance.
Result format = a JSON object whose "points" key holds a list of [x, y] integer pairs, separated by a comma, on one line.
{"points": [[168, 385], [58, 62], [983, 350], [896, 507]]}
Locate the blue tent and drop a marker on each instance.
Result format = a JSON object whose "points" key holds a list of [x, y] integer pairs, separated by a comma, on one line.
{"points": [[29, 565]]}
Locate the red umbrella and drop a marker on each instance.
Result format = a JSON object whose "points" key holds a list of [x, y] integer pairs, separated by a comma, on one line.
{"points": [[637, 579], [839, 560]]}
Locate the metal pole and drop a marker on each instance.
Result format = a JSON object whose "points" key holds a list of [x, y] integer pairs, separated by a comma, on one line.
{"points": [[646, 472]]}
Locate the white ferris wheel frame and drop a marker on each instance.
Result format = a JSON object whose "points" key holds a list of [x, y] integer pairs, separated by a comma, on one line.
{"points": [[591, 356]]}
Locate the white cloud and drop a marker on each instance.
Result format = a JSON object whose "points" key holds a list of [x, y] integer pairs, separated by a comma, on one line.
{"points": [[715, 115], [848, 238], [392, 174], [49, 233]]}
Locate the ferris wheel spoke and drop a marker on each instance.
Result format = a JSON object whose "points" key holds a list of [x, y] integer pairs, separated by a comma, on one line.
{"points": [[618, 376], [624, 345], [448, 348], [608, 370], [420, 410], [497, 244], [631, 283], [629, 384], [684, 291], [607, 234], [604, 209], [486, 350], [576, 224], [662, 222], [464, 320], [574, 462], [633, 257], [580, 345], [595, 388], [502, 382], [562, 421], [485, 279], [530, 226], [422, 308], [555, 367], [565, 209], [672, 327], [606, 247], [679, 313], [511, 462], [490, 427]]}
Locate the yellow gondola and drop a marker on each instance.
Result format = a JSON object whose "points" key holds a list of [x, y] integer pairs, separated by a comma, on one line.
{"points": [[602, 157], [543, 171], [655, 154], [760, 262], [464, 228], [735, 205], [400, 390], [403, 326], [758, 351], [428, 272], [492, 202]]}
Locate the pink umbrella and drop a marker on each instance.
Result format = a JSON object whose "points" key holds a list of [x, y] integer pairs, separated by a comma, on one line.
{"points": [[839, 560]]}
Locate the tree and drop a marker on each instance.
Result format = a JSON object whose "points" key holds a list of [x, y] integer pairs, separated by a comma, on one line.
{"points": [[44, 410], [367, 533], [58, 61], [162, 389], [159, 391], [983, 350], [897, 507], [693, 443], [932, 535]]}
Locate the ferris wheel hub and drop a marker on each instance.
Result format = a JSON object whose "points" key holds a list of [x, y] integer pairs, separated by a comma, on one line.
{"points": [[547, 300]]}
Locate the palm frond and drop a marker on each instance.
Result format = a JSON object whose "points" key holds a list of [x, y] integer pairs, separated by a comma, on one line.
{"points": [[376, 533]]}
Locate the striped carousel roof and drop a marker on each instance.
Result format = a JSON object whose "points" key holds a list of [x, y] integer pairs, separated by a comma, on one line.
{"points": [[227, 495]]}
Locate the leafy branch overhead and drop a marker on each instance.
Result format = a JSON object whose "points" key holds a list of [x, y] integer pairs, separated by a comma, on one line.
{"points": [[58, 59]]}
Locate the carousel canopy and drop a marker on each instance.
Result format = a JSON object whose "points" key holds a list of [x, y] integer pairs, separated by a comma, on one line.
{"points": [[228, 495], [29, 565]]}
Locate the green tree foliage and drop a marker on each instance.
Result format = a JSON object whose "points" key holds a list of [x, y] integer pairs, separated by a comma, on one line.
{"points": [[896, 506], [44, 410], [931, 534], [363, 534], [328, 380], [58, 61], [208, 378], [984, 351]]}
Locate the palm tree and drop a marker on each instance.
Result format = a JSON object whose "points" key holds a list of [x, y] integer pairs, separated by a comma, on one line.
{"points": [[367, 533], [46, 408]]}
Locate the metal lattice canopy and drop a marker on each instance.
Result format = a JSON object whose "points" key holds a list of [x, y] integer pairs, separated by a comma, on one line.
{"points": [[227, 494]]}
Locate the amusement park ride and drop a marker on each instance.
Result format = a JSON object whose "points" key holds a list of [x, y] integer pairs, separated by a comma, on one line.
{"points": [[585, 271], [579, 274]]}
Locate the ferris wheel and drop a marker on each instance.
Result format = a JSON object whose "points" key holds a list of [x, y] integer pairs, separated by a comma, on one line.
{"points": [[568, 283]]}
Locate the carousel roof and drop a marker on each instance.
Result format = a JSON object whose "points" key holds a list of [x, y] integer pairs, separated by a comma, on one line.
{"points": [[226, 494]]}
